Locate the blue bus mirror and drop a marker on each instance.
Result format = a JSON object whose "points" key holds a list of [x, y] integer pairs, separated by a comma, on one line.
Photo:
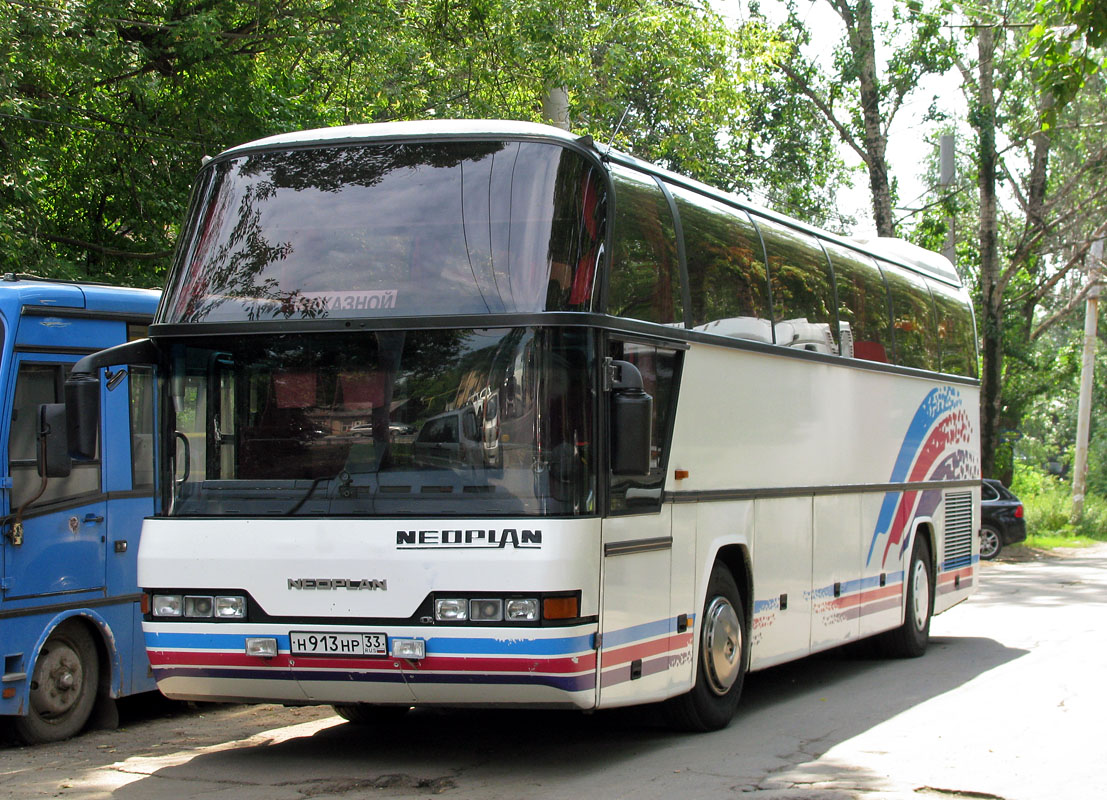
{"points": [[53, 451]]}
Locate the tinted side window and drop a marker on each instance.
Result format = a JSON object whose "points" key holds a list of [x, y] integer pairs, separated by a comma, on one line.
{"points": [[645, 271], [862, 303], [956, 332], [726, 268], [915, 327], [660, 369], [803, 295], [37, 384], [141, 388]]}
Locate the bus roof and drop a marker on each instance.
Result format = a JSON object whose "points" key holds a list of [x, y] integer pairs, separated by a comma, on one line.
{"points": [[898, 251], [18, 291]]}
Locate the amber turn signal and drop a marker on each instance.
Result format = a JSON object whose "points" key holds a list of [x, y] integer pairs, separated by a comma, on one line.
{"points": [[560, 608]]}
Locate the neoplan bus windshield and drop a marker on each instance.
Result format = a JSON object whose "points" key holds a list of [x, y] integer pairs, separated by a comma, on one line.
{"points": [[403, 229], [392, 423]]}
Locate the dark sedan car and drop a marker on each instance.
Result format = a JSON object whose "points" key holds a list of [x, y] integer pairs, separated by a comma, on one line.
{"points": [[1001, 518]]}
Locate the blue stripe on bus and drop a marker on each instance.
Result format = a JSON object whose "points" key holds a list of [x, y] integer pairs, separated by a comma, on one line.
{"points": [[437, 645], [636, 633], [846, 589], [957, 563]]}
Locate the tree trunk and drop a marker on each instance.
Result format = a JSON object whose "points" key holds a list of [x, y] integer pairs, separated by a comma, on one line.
{"points": [[876, 143], [984, 120], [859, 32]]}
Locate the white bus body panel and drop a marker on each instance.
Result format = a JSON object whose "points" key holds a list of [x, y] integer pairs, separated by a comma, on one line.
{"points": [[551, 665], [796, 436], [640, 634]]}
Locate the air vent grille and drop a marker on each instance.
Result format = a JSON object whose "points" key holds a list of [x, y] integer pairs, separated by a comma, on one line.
{"points": [[958, 530]]}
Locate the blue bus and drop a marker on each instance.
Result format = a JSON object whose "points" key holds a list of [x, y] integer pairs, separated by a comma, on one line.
{"points": [[70, 617]]}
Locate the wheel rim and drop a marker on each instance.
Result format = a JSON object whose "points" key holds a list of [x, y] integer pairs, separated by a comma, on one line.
{"points": [[989, 542], [58, 681], [722, 645], [921, 590]]}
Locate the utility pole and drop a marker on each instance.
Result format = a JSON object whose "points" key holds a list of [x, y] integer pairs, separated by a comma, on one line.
{"points": [[1087, 370], [555, 107], [947, 176]]}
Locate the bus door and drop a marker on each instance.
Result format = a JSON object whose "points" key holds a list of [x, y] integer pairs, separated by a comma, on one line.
{"points": [[57, 532], [642, 637]]}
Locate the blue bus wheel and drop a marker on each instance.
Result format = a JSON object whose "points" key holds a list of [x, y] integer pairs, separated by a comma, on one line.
{"points": [[63, 686]]}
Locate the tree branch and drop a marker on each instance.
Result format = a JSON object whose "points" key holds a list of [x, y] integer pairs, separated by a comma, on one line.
{"points": [[824, 109], [107, 251]]}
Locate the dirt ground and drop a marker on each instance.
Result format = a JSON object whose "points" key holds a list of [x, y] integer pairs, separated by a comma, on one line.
{"points": [[166, 723]]}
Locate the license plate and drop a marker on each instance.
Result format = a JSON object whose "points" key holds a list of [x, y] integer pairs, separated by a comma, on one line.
{"points": [[338, 644]]}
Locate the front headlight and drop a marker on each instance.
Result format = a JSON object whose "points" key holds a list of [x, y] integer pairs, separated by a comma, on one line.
{"points": [[167, 605], [230, 607], [523, 609], [451, 609]]}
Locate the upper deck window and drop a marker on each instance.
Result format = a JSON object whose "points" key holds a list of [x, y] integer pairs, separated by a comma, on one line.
{"points": [[401, 229]]}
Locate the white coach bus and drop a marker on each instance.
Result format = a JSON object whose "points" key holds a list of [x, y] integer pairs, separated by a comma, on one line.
{"points": [[477, 412]]}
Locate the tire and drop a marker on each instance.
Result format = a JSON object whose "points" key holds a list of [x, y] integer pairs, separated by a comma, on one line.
{"points": [[368, 714], [990, 543], [63, 686], [910, 639], [723, 656]]}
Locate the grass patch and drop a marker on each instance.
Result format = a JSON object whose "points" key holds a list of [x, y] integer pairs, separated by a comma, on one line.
{"points": [[1049, 541], [1047, 502]]}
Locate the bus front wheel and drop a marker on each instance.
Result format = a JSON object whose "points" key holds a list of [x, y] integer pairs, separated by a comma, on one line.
{"points": [[63, 686], [721, 668]]}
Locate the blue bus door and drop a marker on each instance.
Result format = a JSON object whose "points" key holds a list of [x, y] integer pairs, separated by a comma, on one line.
{"points": [[63, 529]]}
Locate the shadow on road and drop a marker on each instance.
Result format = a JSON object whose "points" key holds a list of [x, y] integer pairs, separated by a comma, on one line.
{"points": [[789, 715]]}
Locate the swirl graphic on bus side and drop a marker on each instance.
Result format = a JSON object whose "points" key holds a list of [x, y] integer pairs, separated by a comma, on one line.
{"points": [[937, 447]]}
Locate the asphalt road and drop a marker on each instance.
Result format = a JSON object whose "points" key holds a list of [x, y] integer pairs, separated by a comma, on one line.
{"points": [[1010, 702]]}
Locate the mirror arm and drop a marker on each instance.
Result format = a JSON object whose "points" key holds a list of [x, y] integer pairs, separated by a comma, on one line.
{"points": [[138, 352]]}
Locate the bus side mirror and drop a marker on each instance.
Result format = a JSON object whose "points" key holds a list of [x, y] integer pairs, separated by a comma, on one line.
{"points": [[53, 452], [631, 421], [82, 406]]}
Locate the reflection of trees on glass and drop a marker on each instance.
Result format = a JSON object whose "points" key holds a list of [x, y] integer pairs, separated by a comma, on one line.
{"points": [[862, 302], [392, 229], [577, 233], [645, 275], [726, 270], [359, 419], [956, 332], [802, 289], [914, 325]]}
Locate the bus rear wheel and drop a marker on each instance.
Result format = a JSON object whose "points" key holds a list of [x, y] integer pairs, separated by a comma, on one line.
{"points": [[721, 669], [63, 686], [910, 639], [369, 714]]}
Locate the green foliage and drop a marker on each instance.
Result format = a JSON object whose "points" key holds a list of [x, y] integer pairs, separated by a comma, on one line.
{"points": [[1065, 46], [1047, 501], [106, 107]]}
